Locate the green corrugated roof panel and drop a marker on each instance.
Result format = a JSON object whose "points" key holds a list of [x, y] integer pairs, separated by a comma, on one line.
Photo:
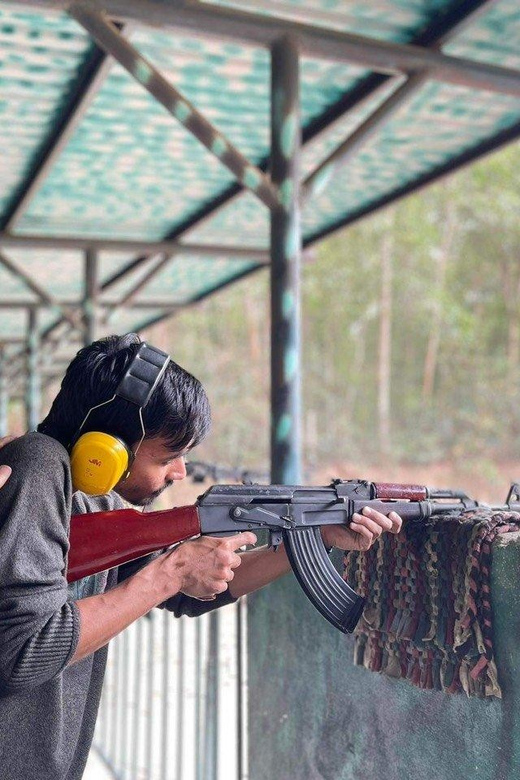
{"points": [[192, 277], [181, 281], [60, 273], [493, 38], [39, 59], [129, 170], [13, 324]]}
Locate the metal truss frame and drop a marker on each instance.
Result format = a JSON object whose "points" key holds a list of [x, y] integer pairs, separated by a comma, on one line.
{"points": [[418, 61]]}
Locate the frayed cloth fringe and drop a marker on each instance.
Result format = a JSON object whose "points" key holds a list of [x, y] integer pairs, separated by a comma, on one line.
{"points": [[428, 616]]}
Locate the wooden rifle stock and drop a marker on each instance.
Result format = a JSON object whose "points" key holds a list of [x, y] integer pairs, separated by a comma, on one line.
{"points": [[102, 540]]}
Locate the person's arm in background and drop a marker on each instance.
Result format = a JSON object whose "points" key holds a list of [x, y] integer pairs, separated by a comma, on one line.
{"points": [[5, 471]]}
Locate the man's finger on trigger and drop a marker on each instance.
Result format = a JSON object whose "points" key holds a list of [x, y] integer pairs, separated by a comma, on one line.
{"points": [[244, 538]]}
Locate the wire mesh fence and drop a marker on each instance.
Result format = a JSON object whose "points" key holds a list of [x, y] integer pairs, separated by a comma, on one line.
{"points": [[174, 700]]}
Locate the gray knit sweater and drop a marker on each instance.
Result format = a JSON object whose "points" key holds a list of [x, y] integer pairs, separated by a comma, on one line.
{"points": [[47, 707]]}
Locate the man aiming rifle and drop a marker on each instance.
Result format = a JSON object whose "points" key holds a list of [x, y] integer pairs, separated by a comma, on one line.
{"points": [[145, 413]]}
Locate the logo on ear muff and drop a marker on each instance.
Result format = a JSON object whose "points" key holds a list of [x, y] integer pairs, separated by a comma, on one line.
{"points": [[99, 460]]}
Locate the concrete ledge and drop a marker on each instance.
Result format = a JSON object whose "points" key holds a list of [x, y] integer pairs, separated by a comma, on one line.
{"points": [[314, 716]]}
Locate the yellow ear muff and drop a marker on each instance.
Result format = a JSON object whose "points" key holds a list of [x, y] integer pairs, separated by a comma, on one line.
{"points": [[98, 461]]}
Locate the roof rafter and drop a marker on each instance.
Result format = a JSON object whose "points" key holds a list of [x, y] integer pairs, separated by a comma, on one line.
{"points": [[466, 158], [262, 30], [142, 71], [316, 181], [28, 241], [445, 26], [130, 296], [373, 79], [38, 290], [152, 303]]}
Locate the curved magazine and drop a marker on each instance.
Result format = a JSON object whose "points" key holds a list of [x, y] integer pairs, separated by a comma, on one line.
{"points": [[322, 584]]}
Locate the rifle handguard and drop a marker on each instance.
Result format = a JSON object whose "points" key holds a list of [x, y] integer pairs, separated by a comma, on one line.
{"points": [[322, 584]]}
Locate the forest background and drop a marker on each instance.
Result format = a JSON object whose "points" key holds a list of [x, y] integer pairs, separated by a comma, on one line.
{"points": [[410, 344]]}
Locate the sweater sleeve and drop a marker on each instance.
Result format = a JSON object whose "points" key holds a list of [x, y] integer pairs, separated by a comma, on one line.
{"points": [[187, 605], [39, 628]]}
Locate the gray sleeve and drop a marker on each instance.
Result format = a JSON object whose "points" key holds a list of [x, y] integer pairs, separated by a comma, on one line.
{"points": [[187, 605], [39, 628], [178, 604]]}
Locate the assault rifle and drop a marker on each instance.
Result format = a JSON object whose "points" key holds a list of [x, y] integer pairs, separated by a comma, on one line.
{"points": [[292, 514]]}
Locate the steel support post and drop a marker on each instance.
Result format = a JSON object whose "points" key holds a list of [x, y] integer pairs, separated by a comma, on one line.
{"points": [[211, 724], [91, 295], [4, 397], [286, 243], [33, 384]]}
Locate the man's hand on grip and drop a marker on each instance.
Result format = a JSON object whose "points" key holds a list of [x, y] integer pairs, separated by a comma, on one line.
{"points": [[207, 563]]}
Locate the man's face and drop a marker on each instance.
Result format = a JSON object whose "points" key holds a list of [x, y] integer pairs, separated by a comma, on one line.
{"points": [[154, 469]]}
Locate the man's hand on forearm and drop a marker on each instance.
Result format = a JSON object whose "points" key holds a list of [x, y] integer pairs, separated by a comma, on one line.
{"points": [[5, 471], [364, 529], [264, 565]]}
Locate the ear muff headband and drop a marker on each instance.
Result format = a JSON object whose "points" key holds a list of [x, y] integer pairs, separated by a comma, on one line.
{"points": [[99, 460]]}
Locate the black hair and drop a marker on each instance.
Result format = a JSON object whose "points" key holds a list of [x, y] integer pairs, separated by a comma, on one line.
{"points": [[178, 410]]}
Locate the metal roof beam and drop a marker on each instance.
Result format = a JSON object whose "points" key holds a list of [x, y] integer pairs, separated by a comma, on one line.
{"points": [[33, 394], [443, 30], [261, 30], [9, 240], [130, 296], [152, 303], [109, 38], [42, 294], [4, 393], [317, 180], [310, 132], [315, 183], [445, 27], [90, 302], [259, 256]]}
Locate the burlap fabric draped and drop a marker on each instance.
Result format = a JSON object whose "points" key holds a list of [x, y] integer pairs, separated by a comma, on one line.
{"points": [[428, 615]]}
